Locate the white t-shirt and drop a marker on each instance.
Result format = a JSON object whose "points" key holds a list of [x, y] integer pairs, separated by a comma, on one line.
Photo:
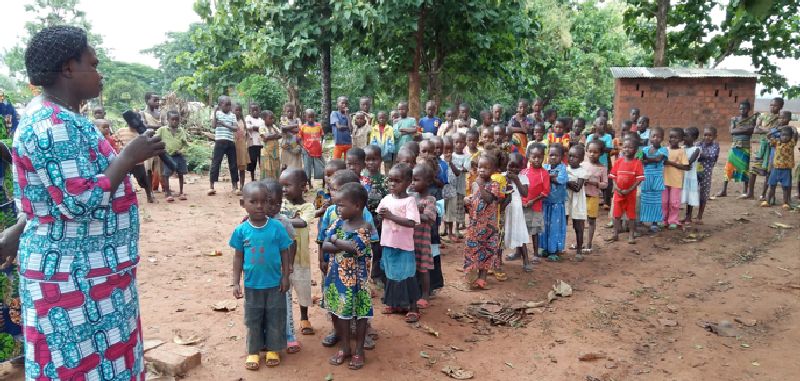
{"points": [[576, 201], [255, 136]]}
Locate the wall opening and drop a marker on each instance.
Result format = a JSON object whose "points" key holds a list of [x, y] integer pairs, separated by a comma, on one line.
{"points": [[730, 93], [637, 87], [716, 93], [642, 94], [736, 99]]}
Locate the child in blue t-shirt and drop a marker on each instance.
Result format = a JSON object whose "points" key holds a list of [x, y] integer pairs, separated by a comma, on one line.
{"points": [[262, 254], [430, 123]]}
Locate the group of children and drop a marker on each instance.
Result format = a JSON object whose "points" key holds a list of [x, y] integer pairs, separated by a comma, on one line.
{"points": [[394, 194]]}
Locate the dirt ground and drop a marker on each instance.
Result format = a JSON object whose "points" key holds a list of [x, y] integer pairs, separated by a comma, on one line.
{"points": [[639, 304]]}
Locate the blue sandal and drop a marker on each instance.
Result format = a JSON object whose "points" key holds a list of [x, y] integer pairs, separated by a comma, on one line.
{"points": [[553, 258]]}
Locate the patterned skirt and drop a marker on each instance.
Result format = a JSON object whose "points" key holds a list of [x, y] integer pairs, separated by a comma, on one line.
{"points": [[83, 329], [738, 164]]}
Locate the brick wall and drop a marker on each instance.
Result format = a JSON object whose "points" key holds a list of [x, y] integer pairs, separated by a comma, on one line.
{"points": [[683, 102]]}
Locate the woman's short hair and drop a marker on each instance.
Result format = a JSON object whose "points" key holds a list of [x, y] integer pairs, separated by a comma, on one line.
{"points": [[50, 49]]}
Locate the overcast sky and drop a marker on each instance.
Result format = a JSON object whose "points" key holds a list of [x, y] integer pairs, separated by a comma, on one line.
{"points": [[129, 26]]}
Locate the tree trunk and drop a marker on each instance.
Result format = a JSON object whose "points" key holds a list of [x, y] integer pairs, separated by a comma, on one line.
{"points": [[435, 74], [414, 80], [659, 58], [293, 95], [326, 84]]}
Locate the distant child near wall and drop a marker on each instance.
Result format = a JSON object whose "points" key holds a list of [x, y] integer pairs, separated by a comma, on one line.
{"points": [[538, 190], [596, 182], [291, 147], [271, 153], [552, 237], [627, 172], [311, 136], [783, 162], [690, 195], [643, 129], [652, 189], [177, 142], [576, 196], [346, 290], [675, 166], [709, 154], [300, 213], [262, 254], [400, 215]]}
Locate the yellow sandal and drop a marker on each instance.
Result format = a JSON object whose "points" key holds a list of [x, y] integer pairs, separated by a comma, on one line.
{"points": [[252, 362], [273, 359]]}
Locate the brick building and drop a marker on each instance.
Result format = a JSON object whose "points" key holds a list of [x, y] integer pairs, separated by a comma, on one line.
{"points": [[682, 97]]}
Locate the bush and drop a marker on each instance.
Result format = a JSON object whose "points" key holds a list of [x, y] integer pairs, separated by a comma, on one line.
{"points": [[198, 156]]}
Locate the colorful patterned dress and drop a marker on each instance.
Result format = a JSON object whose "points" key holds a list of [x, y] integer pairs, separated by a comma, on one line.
{"points": [[78, 252], [709, 154], [483, 231], [346, 288], [270, 154], [738, 164]]}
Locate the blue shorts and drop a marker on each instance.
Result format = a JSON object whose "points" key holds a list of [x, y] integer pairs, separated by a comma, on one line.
{"points": [[781, 176], [181, 167]]}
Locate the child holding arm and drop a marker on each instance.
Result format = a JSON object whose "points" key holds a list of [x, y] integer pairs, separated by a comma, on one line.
{"points": [[538, 189], [552, 237], [674, 166], [627, 173]]}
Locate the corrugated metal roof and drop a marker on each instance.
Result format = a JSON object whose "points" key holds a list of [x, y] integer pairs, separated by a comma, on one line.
{"points": [[678, 72]]}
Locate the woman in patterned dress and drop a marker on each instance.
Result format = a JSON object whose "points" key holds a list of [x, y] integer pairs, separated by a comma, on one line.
{"points": [[79, 249]]}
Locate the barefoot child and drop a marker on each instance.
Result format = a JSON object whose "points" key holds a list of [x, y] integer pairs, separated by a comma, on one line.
{"points": [[516, 232], [400, 215], [483, 231], [596, 182], [652, 189], [690, 195], [300, 213], [627, 172], [311, 136], [346, 290], [176, 142], [674, 167], [421, 180], [538, 190], [783, 163], [376, 191], [709, 153], [262, 254], [552, 237], [576, 196]]}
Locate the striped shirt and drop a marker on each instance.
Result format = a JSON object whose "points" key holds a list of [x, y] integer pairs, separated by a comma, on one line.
{"points": [[224, 133]]}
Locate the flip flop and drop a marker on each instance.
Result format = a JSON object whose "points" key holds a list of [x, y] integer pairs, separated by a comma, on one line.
{"points": [[356, 362], [273, 359], [527, 268], [553, 258], [330, 340], [306, 328], [170, 199], [500, 276], [292, 347], [422, 303], [182, 197], [252, 362], [211, 192], [412, 317], [338, 358]]}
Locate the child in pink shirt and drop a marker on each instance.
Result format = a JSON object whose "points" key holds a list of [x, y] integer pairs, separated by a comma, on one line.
{"points": [[400, 214]]}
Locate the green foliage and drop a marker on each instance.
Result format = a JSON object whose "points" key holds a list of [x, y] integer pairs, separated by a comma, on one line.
{"points": [[169, 54], [263, 90], [198, 156], [762, 30], [126, 83]]}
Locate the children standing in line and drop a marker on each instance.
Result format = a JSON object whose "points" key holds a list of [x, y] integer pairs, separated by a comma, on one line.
{"points": [[271, 153], [652, 188], [225, 127], [690, 195], [421, 180], [576, 196], [382, 136], [376, 191], [253, 124], [262, 254], [300, 213], [340, 126], [483, 231], [346, 288], [241, 142], [596, 182], [430, 123], [551, 239], [458, 163], [311, 136], [291, 148], [405, 128], [176, 140], [709, 153], [783, 162], [676, 164], [516, 232], [400, 215]]}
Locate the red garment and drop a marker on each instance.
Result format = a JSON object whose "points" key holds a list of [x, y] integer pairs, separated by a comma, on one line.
{"points": [[626, 204], [538, 184], [626, 173], [311, 135]]}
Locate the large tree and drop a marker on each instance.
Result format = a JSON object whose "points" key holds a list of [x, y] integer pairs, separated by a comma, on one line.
{"points": [[764, 30]]}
